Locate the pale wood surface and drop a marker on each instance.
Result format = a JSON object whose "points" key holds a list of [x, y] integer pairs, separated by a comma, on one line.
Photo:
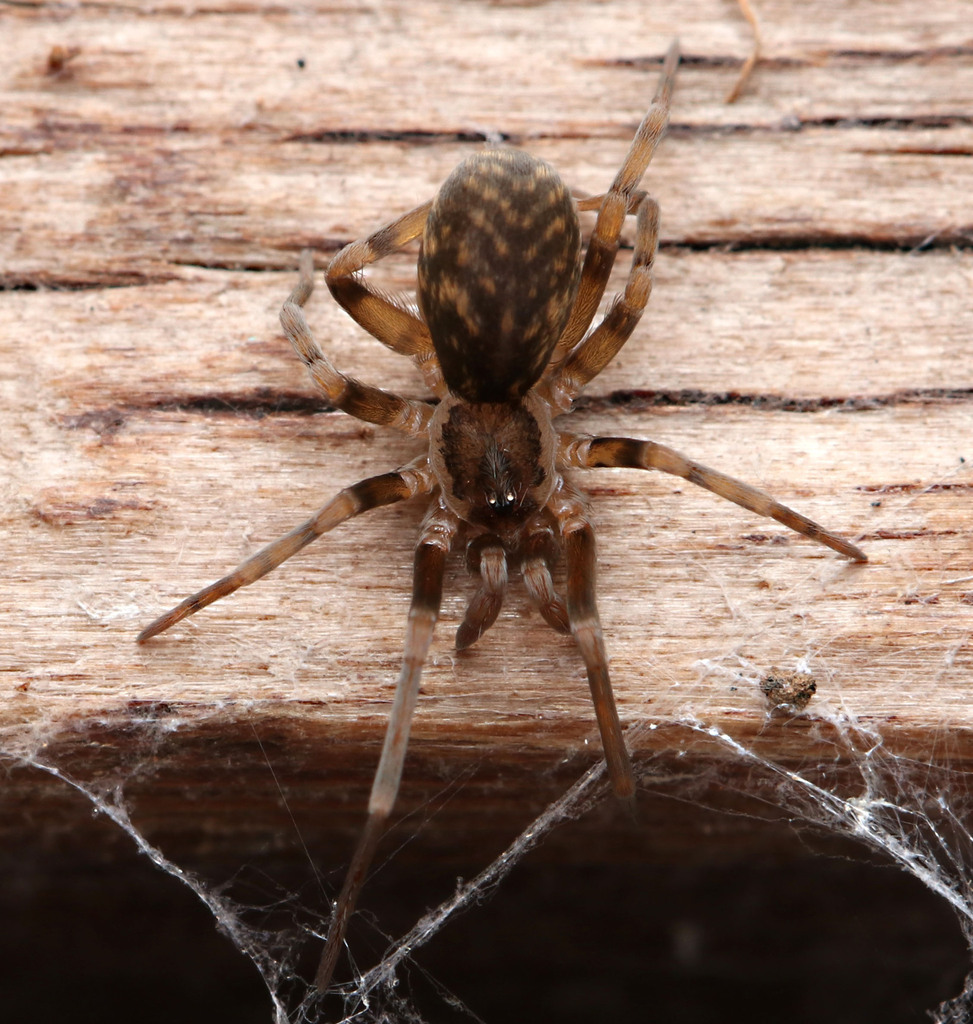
{"points": [[809, 331]]}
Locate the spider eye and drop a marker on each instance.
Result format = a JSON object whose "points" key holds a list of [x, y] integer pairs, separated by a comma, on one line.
{"points": [[502, 501]]}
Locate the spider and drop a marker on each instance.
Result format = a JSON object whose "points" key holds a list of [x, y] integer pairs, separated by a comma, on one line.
{"points": [[502, 337]]}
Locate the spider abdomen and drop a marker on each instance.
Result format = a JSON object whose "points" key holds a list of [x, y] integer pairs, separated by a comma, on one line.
{"points": [[498, 273]]}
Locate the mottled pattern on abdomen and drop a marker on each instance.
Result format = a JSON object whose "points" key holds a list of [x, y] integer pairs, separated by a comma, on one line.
{"points": [[498, 273]]}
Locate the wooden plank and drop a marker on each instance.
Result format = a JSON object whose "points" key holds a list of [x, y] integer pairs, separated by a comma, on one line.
{"points": [[252, 205], [809, 332], [154, 159]]}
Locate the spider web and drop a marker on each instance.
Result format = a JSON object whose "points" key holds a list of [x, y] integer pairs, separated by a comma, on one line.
{"points": [[913, 814]]}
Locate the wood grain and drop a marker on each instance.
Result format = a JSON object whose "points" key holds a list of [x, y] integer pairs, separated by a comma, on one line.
{"points": [[809, 332]]}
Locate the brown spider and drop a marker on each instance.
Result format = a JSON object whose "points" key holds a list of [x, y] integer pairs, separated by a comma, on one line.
{"points": [[502, 338]]}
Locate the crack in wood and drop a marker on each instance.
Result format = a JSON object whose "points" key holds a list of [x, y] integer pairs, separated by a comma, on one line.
{"points": [[636, 400], [819, 58], [262, 403]]}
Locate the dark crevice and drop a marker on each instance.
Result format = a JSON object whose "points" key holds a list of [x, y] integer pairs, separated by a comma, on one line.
{"points": [[914, 487], [262, 403], [279, 257], [923, 56], [47, 282], [638, 400], [415, 137], [907, 535], [959, 151], [816, 59], [691, 60], [959, 237], [916, 121], [789, 124], [956, 237], [276, 261], [257, 404]]}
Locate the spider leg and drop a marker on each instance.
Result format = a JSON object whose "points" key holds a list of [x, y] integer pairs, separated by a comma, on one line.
{"points": [[432, 548], [603, 245], [540, 553], [383, 316], [593, 354], [628, 453], [579, 553], [485, 556], [587, 203], [367, 494], [352, 396]]}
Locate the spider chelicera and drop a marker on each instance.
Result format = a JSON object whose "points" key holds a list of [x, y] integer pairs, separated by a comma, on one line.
{"points": [[502, 338]]}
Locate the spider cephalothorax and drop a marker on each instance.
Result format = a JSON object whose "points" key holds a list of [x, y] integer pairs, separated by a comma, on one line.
{"points": [[494, 461], [502, 339]]}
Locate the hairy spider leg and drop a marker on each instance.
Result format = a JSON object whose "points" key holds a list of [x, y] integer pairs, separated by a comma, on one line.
{"points": [[628, 453], [573, 517], [603, 246], [586, 203], [360, 400], [485, 558], [414, 479], [435, 540], [596, 351], [381, 315], [384, 316]]}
